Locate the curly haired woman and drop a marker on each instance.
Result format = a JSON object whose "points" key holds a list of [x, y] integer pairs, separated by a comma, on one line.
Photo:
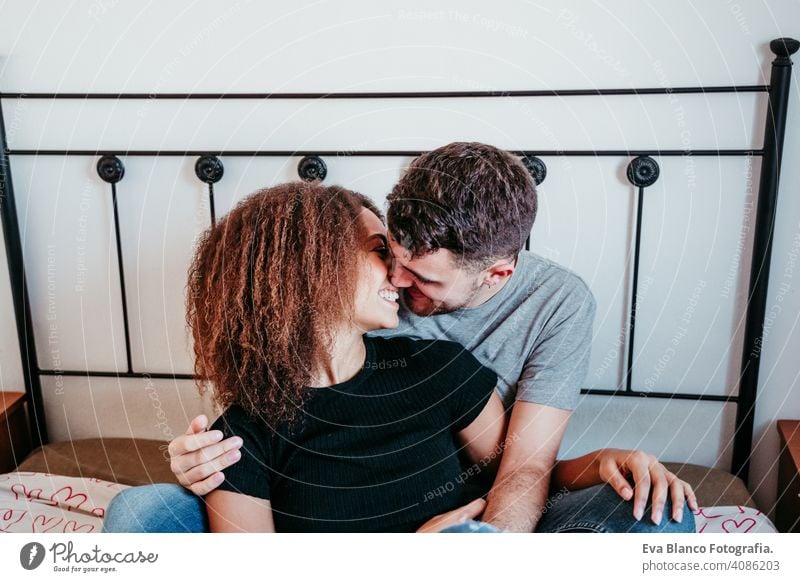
{"points": [[341, 431]]}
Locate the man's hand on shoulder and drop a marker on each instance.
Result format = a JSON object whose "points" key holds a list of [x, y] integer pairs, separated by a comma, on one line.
{"points": [[198, 457]]}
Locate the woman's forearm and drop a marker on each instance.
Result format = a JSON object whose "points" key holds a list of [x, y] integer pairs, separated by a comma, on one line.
{"points": [[235, 512], [577, 473]]}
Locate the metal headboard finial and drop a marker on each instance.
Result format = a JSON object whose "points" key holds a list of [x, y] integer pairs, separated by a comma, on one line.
{"points": [[312, 168]]}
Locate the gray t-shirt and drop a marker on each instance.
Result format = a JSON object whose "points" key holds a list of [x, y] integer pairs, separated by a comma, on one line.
{"points": [[535, 333]]}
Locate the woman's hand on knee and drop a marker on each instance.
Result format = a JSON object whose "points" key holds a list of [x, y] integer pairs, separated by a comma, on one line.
{"points": [[616, 465], [198, 457]]}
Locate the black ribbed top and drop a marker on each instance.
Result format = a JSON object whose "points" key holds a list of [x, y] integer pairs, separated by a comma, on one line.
{"points": [[374, 453]]}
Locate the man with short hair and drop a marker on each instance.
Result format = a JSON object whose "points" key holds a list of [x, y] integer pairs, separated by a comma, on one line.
{"points": [[458, 220]]}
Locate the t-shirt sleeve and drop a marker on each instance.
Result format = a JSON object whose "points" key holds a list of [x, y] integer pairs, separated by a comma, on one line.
{"points": [[559, 363], [472, 385], [250, 475]]}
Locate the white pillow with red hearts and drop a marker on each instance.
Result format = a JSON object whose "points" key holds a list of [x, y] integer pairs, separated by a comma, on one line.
{"points": [[45, 503], [732, 519]]}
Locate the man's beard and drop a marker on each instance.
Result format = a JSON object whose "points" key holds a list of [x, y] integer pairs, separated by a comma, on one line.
{"points": [[438, 307]]}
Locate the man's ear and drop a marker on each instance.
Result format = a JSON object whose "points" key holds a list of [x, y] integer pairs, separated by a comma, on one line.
{"points": [[499, 271]]}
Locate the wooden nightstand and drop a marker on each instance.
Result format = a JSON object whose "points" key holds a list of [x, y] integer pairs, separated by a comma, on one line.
{"points": [[787, 513], [14, 435]]}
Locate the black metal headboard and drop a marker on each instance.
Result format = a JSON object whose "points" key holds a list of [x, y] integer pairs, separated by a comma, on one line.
{"points": [[643, 171]]}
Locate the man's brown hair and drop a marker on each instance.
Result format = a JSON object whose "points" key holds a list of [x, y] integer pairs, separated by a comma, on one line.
{"points": [[268, 284], [475, 200]]}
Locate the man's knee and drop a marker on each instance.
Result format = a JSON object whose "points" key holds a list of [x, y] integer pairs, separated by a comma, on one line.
{"points": [[622, 520], [601, 509], [686, 525]]}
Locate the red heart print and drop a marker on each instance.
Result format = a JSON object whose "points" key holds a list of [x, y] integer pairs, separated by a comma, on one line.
{"points": [[72, 527], [45, 523], [737, 526], [9, 517], [66, 497]]}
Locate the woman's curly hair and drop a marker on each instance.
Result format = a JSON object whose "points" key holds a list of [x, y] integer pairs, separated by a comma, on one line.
{"points": [[268, 284]]}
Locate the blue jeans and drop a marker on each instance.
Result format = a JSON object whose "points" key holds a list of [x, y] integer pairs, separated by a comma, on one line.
{"points": [[600, 509], [171, 508], [157, 508]]}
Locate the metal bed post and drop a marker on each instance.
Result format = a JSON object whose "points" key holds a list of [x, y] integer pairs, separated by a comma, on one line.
{"points": [[777, 107], [19, 294], [642, 172]]}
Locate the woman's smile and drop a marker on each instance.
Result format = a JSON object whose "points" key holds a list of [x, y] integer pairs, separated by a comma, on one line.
{"points": [[390, 295]]}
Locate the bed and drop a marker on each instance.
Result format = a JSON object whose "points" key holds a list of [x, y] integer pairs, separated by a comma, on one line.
{"points": [[79, 477]]}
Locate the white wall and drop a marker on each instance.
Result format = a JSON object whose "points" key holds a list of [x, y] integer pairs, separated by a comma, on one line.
{"points": [[696, 218]]}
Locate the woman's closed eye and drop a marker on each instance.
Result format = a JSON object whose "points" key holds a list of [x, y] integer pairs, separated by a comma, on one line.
{"points": [[383, 251]]}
